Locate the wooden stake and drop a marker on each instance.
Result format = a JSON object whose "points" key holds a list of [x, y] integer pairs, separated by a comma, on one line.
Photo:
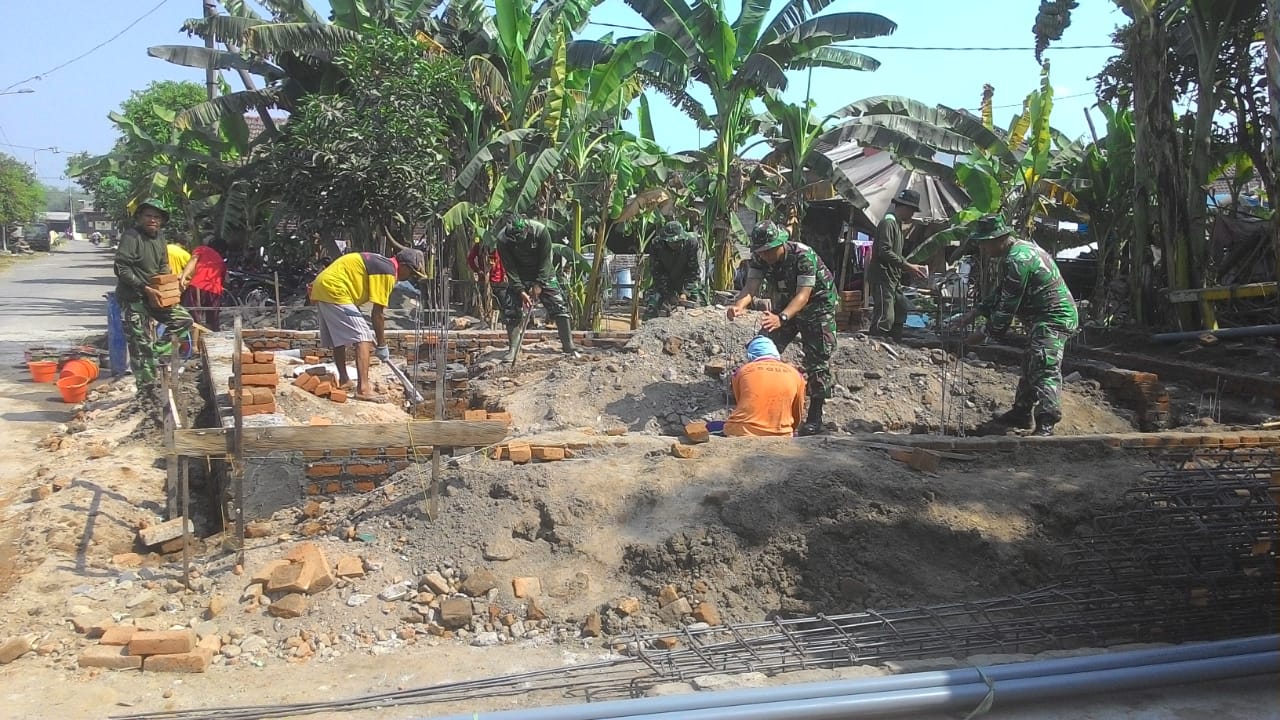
{"points": [[184, 468], [237, 445], [279, 321]]}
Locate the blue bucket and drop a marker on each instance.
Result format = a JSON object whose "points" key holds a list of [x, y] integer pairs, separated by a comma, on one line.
{"points": [[117, 347]]}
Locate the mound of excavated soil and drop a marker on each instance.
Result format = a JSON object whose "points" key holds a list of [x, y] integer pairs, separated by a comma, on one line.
{"points": [[660, 382]]}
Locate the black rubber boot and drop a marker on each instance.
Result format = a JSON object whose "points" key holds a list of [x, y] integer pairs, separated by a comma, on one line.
{"points": [[1044, 427], [513, 343], [1015, 418], [813, 420], [566, 336]]}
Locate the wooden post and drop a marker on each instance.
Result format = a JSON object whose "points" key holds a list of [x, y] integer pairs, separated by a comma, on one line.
{"points": [[167, 384], [184, 470], [442, 356], [279, 321], [237, 443]]}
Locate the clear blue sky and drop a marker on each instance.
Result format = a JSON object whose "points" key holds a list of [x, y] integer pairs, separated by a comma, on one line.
{"points": [[69, 106]]}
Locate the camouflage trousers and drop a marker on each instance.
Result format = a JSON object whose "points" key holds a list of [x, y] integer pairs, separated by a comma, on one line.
{"points": [[817, 341], [660, 302], [1040, 386], [144, 348], [512, 311]]}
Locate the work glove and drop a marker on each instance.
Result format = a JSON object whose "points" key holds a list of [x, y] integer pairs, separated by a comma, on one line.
{"points": [[383, 353]]}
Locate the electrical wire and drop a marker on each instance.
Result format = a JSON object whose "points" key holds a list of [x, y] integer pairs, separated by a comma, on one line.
{"points": [[91, 50]]}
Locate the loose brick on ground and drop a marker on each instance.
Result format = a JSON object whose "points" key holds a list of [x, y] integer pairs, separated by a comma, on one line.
{"points": [[161, 642], [196, 661], [697, 432], [111, 657], [118, 635], [519, 452], [547, 453], [338, 396]]}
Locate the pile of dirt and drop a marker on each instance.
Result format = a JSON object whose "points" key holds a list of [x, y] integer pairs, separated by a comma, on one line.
{"points": [[663, 380]]}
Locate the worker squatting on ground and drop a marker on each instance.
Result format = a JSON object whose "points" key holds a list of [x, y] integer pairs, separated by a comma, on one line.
{"points": [[142, 255], [338, 292], [768, 394], [803, 289], [525, 249], [1032, 289], [887, 264], [675, 271]]}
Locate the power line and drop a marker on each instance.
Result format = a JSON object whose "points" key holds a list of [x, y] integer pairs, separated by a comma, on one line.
{"points": [[91, 50], [1026, 48]]}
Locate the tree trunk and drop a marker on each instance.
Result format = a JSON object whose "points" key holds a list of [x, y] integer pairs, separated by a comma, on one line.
{"points": [[1270, 25], [1207, 37]]}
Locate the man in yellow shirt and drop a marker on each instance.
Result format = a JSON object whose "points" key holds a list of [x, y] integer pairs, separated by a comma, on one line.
{"points": [[180, 264], [769, 394], [338, 292]]}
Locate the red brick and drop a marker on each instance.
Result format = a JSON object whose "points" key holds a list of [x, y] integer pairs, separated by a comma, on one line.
{"points": [[475, 415], [366, 452], [359, 469], [324, 470], [323, 389], [311, 359], [246, 358], [397, 466], [262, 396], [697, 432], [332, 488], [313, 489], [519, 452], [338, 395], [196, 661], [396, 452], [258, 369], [111, 657], [548, 453], [365, 486], [117, 635], [500, 416], [258, 409], [320, 420], [260, 380], [161, 642], [264, 357]]}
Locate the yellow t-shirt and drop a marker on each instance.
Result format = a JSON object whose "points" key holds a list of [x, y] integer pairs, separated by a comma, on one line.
{"points": [[178, 258], [770, 397], [356, 279]]}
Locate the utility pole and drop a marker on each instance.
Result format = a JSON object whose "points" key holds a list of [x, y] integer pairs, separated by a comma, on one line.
{"points": [[210, 9]]}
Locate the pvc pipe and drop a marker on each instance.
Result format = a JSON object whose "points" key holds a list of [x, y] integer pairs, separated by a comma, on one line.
{"points": [[1226, 333], [1010, 671], [969, 697]]}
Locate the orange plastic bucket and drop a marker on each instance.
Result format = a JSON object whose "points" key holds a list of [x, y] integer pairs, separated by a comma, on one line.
{"points": [[43, 371], [80, 367], [73, 389]]}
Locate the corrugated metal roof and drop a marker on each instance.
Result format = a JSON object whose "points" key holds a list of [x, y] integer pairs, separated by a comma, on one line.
{"points": [[879, 179]]}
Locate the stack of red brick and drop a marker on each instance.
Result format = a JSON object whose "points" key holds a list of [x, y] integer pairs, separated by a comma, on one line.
{"points": [[850, 313], [1144, 391], [124, 647], [320, 382], [258, 380]]}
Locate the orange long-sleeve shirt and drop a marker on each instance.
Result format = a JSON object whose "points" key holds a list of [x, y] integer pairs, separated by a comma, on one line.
{"points": [[770, 399]]}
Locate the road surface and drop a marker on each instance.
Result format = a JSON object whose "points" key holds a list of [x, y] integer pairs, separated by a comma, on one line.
{"points": [[55, 299]]}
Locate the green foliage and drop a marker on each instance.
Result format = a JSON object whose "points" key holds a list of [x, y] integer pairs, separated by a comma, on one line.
{"points": [[21, 195], [375, 156], [152, 108]]}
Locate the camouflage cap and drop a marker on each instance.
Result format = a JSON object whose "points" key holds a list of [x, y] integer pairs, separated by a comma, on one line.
{"points": [[989, 227], [154, 204], [672, 229], [767, 235]]}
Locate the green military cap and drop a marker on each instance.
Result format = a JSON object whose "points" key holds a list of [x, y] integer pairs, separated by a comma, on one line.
{"points": [[767, 235], [989, 227]]}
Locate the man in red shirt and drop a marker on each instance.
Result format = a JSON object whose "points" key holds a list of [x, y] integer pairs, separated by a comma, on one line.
{"points": [[203, 295], [769, 394], [483, 260]]}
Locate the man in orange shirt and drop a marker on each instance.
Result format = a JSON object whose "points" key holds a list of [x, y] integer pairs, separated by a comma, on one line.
{"points": [[769, 394]]}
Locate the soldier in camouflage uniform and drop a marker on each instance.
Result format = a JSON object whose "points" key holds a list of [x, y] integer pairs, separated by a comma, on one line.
{"points": [[524, 246], [1032, 289], [141, 255], [805, 293], [675, 271]]}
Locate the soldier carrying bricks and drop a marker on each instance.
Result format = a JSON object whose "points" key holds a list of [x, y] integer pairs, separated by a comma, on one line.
{"points": [[141, 260]]}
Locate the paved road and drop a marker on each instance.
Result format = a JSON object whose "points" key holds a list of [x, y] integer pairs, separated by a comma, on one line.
{"points": [[54, 299]]}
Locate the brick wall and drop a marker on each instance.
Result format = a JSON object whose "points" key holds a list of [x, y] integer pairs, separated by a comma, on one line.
{"points": [[341, 471], [463, 345]]}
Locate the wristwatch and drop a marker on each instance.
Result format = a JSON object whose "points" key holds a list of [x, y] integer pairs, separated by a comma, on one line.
{"points": [[784, 317]]}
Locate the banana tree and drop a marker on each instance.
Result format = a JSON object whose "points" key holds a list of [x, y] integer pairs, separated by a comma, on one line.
{"points": [[738, 61], [1103, 184]]}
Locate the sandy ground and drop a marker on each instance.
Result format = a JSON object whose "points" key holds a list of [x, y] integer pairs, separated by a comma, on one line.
{"points": [[752, 527]]}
